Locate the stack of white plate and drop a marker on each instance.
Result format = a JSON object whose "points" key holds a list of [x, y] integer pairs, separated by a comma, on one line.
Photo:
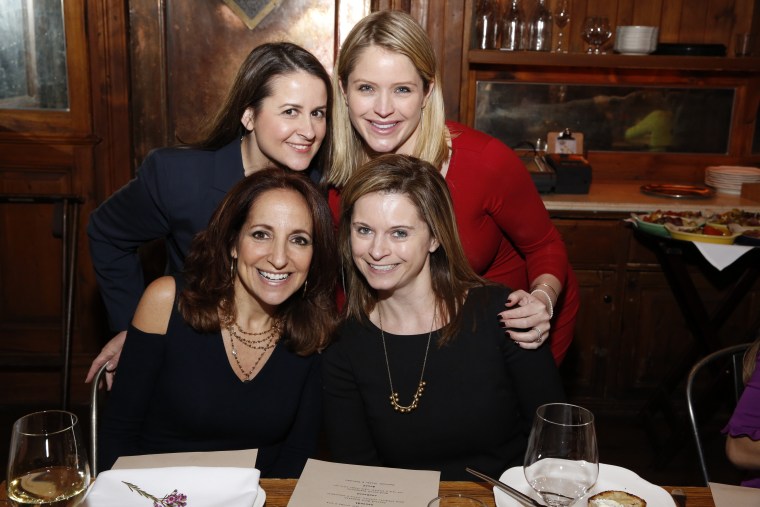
{"points": [[728, 179], [636, 40]]}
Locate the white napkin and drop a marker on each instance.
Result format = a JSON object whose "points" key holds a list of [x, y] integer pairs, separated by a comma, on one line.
{"points": [[203, 486], [721, 256]]}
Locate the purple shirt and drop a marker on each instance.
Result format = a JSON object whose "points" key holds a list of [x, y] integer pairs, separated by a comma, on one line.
{"points": [[745, 421]]}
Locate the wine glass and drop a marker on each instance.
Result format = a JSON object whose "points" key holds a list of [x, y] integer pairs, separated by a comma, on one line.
{"points": [[562, 460], [596, 31], [562, 18], [47, 463]]}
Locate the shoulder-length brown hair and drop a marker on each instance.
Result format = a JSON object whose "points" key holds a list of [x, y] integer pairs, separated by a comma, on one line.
{"points": [[309, 316], [424, 186], [253, 84]]}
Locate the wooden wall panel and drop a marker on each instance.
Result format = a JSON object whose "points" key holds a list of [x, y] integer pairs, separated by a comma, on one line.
{"points": [[185, 55]]}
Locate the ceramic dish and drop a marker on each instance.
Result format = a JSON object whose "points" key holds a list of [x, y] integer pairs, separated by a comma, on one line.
{"points": [[610, 477], [702, 238], [649, 227], [748, 238]]}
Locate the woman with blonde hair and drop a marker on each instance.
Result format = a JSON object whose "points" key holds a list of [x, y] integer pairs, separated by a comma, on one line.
{"points": [[388, 100]]}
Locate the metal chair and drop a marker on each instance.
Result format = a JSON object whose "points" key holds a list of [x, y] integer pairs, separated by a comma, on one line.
{"points": [[732, 358], [94, 419]]}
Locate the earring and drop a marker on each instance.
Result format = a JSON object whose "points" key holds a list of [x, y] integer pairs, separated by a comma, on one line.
{"points": [[232, 268], [303, 294]]}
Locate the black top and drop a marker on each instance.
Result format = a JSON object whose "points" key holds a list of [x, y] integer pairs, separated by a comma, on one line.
{"points": [[179, 393], [481, 395]]}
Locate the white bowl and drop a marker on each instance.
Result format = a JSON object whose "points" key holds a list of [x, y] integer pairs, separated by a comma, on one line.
{"points": [[636, 40]]}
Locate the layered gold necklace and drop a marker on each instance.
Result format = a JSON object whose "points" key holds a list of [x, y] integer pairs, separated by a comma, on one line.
{"points": [[405, 409], [262, 341]]}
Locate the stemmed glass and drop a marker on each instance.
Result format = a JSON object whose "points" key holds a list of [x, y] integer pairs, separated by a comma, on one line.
{"points": [[562, 18], [562, 460], [596, 31], [47, 463]]}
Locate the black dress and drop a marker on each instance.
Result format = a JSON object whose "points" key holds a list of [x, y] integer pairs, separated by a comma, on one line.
{"points": [[482, 392], [179, 393]]}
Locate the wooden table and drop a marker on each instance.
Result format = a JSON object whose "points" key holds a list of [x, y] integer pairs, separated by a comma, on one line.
{"points": [[279, 491]]}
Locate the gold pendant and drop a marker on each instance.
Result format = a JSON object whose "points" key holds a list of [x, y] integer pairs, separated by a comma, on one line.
{"points": [[415, 400]]}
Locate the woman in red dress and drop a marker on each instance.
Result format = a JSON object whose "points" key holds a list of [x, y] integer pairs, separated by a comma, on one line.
{"points": [[387, 79]]}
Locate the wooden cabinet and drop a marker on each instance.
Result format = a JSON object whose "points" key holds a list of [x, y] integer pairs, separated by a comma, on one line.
{"points": [[556, 81], [630, 331], [73, 149]]}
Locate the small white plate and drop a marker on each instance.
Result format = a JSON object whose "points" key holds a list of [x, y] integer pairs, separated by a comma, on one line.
{"points": [[610, 477], [261, 497]]}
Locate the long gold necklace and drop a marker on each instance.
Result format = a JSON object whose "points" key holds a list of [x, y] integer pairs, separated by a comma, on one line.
{"points": [[421, 386], [264, 344]]}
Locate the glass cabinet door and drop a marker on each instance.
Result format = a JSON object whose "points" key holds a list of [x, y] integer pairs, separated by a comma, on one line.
{"points": [[33, 71]]}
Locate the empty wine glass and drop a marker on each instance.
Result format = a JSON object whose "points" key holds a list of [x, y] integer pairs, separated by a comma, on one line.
{"points": [[596, 31], [562, 18], [47, 464], [562, 460]]}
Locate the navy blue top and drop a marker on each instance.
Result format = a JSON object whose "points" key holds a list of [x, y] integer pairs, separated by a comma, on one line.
{"points": [[173, 196]]}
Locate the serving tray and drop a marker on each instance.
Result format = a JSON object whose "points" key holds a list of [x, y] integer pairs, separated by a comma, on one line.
{"points": [[674, 191]]}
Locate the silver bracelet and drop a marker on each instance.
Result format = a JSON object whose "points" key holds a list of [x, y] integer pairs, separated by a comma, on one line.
{"points": [[548, 287], [548, 299]]}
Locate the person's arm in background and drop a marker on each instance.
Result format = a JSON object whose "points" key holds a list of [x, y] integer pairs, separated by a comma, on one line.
{"points": [[743, 441], [129, 218]]}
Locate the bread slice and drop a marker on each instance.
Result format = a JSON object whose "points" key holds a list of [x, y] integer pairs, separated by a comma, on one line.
{"points": [[616, 499]]}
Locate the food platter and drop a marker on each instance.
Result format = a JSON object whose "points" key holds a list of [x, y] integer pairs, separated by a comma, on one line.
{"points": [[725, 228], [726, 238]]}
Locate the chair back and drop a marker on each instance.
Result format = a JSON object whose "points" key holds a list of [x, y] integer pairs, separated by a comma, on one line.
{"points": [[94, 397], [730, 359]]}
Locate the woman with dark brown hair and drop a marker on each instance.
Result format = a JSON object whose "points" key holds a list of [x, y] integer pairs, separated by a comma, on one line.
{"points": [[275, 114], [224, 357]]}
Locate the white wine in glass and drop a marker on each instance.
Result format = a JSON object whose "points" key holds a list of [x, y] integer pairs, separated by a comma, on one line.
{"points": [[47, 463], [562, 460]]}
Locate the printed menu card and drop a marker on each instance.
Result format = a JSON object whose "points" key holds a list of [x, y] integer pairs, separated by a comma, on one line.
{"points": [[337, 484]]}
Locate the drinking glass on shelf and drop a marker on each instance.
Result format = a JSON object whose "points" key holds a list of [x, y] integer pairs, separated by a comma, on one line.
{"points": [[562, 460], [596, 31], [47, 463], [562, 18]]}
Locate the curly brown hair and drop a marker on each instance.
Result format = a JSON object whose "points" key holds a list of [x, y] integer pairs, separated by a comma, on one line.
{"points": [[308, 317]]}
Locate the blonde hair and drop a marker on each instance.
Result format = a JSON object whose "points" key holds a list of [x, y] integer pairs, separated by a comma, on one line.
{"points": [[397, 32]]}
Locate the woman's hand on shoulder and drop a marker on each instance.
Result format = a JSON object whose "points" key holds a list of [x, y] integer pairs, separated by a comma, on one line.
{"points": [[527, 319], [155, 307]]}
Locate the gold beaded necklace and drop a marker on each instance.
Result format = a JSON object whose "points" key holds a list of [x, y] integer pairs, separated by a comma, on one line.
{"points": [[264, 344], [421, 386]]}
